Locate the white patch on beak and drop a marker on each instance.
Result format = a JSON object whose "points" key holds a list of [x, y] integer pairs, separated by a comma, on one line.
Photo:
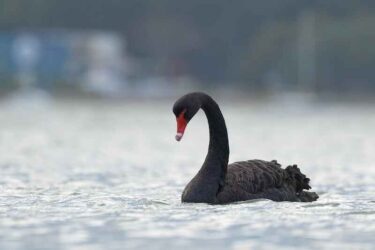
{"points": [[179, 136]]}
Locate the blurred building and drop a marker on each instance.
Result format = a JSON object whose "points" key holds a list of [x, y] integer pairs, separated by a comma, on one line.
{"points": [[94, 62]]}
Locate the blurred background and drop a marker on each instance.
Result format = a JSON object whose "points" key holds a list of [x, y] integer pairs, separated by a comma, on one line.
{"points": [[88, 158], [122, 48]]}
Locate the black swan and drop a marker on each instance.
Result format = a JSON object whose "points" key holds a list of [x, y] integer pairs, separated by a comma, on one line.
{"points": [[220, 183]]}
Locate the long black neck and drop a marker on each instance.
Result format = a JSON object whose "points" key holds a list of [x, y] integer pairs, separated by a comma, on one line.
{"points": [[208, 182], [210, 178], [218, 150]]}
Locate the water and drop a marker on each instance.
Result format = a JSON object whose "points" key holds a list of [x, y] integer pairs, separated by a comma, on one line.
{"points": [[94, 175]]}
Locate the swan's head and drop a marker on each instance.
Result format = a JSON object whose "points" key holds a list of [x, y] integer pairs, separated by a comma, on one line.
{"points": [[184, 109]]}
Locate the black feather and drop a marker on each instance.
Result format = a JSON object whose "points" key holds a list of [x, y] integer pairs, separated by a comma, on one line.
{"points": [[261, 179], [218, 183]]}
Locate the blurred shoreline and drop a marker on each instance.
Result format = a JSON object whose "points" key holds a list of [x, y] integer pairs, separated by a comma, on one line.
{"points": [[222, 94]]}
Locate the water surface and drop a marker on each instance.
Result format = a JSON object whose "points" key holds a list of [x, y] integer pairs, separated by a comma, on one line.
{"points": [[96, 175]]}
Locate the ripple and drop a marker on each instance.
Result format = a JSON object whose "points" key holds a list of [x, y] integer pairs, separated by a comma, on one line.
{"points": [[330, 204], [361, 212], [86, 176]]}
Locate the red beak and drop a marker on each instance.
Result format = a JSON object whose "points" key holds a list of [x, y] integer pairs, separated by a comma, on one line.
{"points": [[181, 125]]}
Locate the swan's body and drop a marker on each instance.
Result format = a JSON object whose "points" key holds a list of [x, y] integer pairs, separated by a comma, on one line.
{"points": [[219, 183]]}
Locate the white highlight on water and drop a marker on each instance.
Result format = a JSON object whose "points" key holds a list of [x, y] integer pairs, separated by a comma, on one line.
{"points": [[89, 175]]}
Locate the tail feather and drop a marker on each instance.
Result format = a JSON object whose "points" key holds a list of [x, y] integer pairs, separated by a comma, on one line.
{"points": [[308, 196], [300, 180]]}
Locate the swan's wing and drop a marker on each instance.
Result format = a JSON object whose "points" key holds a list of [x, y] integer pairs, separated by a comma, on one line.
{"points": [[258, 179], [255, 176]]}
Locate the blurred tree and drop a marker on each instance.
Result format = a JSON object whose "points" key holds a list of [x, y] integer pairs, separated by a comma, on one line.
{"points": [[220, 41]]}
